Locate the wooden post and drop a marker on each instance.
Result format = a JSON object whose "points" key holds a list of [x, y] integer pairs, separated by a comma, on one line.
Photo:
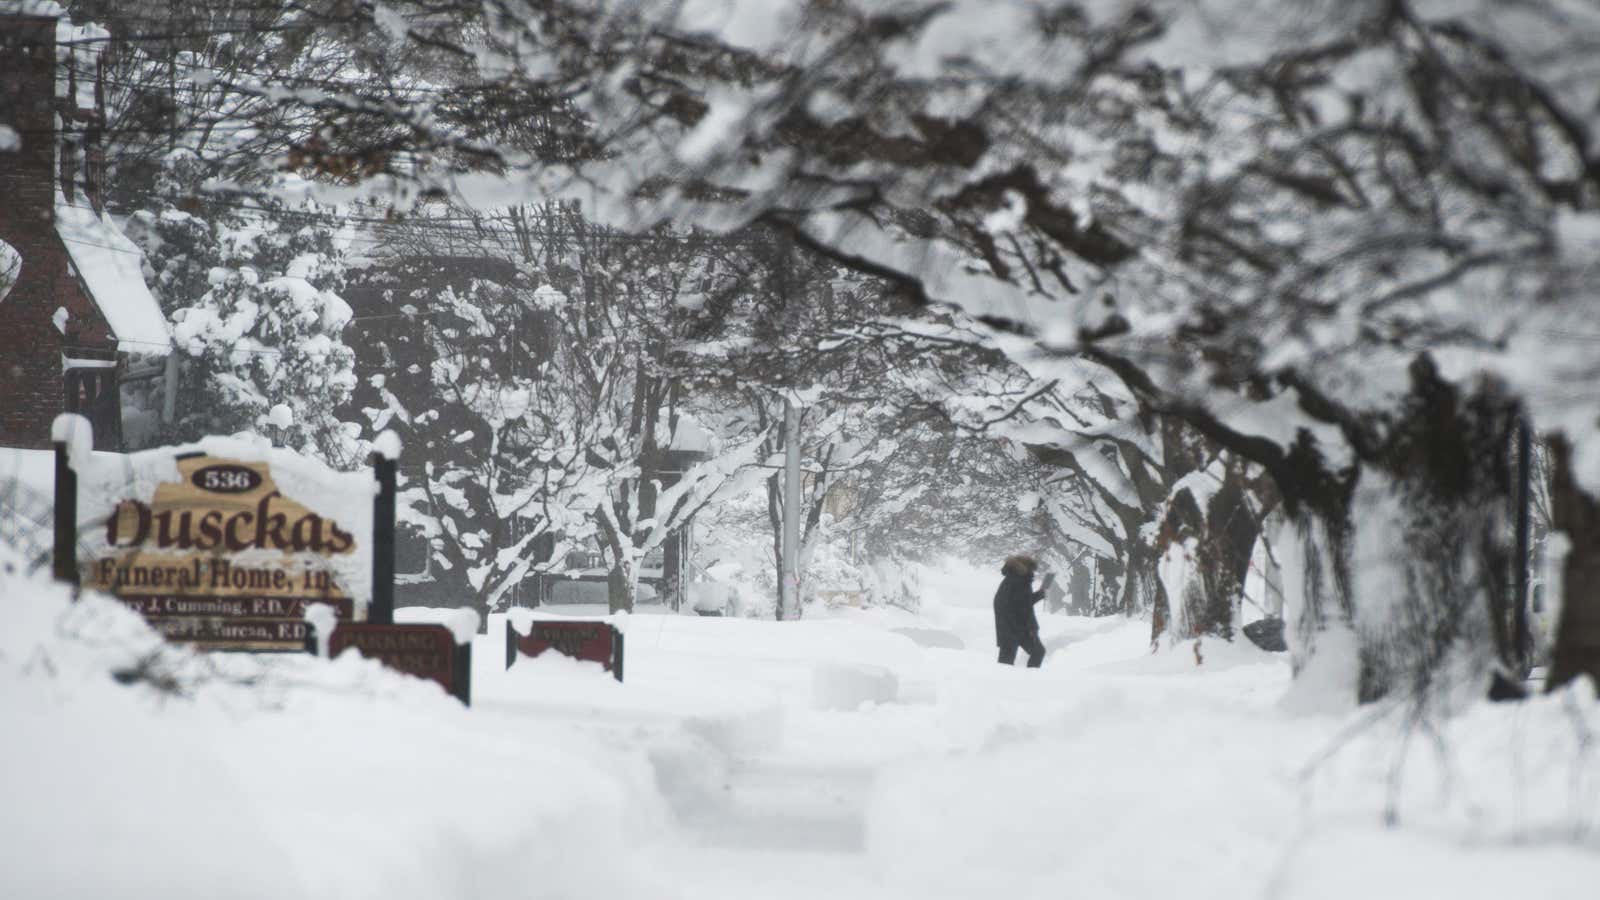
{"points": [[381, 612], [65, 553], [461, 674]]}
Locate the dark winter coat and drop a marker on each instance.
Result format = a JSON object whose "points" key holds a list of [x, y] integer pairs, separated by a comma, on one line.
{"points": [[1014, 619]]}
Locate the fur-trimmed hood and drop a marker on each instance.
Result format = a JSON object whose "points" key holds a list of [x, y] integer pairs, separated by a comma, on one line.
{"points": [[1022, 566]]}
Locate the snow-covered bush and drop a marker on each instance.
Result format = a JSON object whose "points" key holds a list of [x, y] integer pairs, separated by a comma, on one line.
{"points": [[252, 292], [266, 356]]}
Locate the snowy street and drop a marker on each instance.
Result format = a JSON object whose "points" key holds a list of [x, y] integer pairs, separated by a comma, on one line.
{"points": [[1066, 780], [834, 756]]}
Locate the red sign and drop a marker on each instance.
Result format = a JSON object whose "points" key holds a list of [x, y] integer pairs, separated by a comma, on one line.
{"points": [[595, 641], [423, 650]]}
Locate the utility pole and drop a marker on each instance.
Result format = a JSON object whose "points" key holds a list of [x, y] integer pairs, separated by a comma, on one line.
{"points": [[1521, 634], [789, 572], [169, 388]]}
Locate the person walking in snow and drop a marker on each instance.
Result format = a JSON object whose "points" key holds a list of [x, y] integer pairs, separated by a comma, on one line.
{"points": [[1015, 625]]}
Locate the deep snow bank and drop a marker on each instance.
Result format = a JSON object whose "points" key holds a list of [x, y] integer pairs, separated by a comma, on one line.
{"points": [[131, 768], [1152, 777]]}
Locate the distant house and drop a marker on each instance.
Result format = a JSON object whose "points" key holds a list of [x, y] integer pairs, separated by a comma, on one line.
{"points": [[76, 318]]}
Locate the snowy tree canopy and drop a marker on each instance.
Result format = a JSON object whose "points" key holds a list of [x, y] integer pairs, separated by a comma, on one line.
{"points": [[1303, 249]]}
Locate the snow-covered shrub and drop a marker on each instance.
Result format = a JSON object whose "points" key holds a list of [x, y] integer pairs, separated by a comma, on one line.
{"points": [[709, 596], [265, 355], [252, 292]]}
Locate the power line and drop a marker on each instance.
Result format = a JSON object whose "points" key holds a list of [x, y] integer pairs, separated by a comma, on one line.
{"points": [[253, 30], [69, 240]]}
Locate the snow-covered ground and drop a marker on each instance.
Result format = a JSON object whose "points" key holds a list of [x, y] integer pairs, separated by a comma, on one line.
{"points": [[862, 754]]}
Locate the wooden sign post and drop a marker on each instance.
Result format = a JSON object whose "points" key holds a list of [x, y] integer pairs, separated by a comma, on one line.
{"points": [[421, 649], [384, 464], [64, 556]]}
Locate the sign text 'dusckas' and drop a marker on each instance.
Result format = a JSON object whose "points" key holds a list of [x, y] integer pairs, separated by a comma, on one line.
{"points": [[223, 557]]}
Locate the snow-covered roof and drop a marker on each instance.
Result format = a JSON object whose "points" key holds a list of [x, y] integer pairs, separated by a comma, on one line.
{"points": [[111, 267], [32, 8]]}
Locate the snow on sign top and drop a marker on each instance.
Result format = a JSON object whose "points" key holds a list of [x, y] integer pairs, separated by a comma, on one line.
{"points": [[387, 445], [110, 266], [76, 433]]}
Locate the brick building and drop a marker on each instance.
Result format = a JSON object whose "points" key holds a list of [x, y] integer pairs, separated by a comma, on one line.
{"points": [[75, 313]]}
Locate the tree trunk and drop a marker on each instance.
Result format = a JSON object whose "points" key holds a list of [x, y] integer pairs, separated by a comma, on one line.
{"points": [[1431, 526], [775, 523], [672, 577], [1577, 644], [1139, 581], [1222, 539], [1231, 532], [619, 587], [1108, 576], [789, 568]]}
